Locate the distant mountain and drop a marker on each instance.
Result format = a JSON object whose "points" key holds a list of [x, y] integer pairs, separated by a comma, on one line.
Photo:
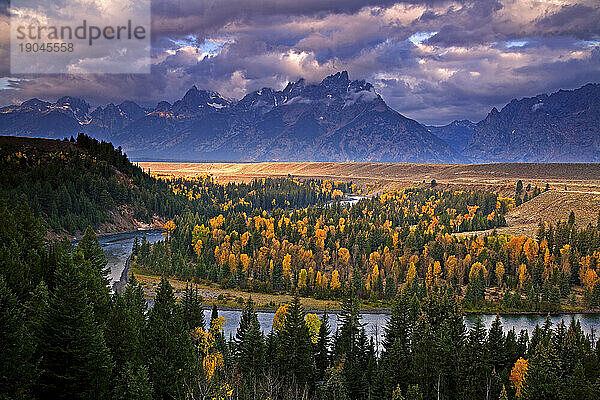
{"points": [[67, 117], [457, 133], [334, 120], [563, 126]]}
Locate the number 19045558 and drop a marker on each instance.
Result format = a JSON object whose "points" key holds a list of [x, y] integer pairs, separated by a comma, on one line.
{"points": [[46, 47]]}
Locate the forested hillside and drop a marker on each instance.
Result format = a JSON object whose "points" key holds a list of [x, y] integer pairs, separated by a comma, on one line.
{"points": [[81, 182], [64, 337], [72, 184]]}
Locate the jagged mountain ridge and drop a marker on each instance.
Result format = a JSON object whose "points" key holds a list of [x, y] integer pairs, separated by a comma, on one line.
{"points": [[334, 120], [563, 126]]}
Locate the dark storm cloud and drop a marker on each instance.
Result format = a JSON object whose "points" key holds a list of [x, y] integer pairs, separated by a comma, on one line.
{"points": [[434, 61], [580, 21]]}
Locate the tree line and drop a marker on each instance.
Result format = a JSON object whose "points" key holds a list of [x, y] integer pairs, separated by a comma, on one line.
{"points": [[403, 239], [64, 335]]}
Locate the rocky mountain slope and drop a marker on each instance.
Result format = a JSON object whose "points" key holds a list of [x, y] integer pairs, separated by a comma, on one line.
{"points": [[457, 133], [334, 120], [563, 126]]}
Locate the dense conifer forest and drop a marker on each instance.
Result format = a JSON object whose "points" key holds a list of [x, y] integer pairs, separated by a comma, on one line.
{"points": [[64, 334]]}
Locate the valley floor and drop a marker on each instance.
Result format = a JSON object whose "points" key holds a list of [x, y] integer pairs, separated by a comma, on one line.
{"points": [[234, 298], [575, 187]]}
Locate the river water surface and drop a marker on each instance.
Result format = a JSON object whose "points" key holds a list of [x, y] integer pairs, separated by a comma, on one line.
{"points": [[118, 247]]}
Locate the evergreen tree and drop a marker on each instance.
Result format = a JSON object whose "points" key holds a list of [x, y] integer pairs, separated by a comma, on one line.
{"points": [[357, 282], [571, 218], [322, 348], [124, 332], [169, 346], [249, 345], [193, 313], [476, 289], [497, 355], [214, 313], [277, 278], [22, 250], [35, 311], [76, 362], [135, 247], [334, 387], [96, 274], [476, 366], [295, 352], [543, 379], [519, 187], [390, 287], [396, 359], [134, 384], [350, 349], [438, 340], [577, 386], [17, 367]]}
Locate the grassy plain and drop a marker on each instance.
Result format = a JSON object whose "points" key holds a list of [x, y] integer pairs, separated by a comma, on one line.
{"points": [[575, 187]]}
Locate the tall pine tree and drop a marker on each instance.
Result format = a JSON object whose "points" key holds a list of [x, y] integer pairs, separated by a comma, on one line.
{"points": [[76, 362], [169, 345]]}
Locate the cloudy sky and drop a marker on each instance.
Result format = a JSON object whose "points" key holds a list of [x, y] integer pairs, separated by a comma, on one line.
{"points": [[431, 60]]}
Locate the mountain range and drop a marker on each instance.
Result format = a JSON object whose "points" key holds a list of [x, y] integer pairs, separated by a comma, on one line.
{"points": [[335, 120], [563, 126]]}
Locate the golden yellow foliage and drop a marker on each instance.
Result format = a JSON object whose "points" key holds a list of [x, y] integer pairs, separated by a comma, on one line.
{"points": [[344, 255], [302, 278], [233, 263], [335, 280], [200, 232], [169, 227], [499, 273], [590, 279], [531, 248], [245, 260], [451, 265], [518, 374], [319, 280], [287, 266], [314, 324], [375, 274], [522, 275], [216, 222], [324, 281], [205, 343], [437, 271], [279, 318], [476, 269], [198, 247], [411, 274]]}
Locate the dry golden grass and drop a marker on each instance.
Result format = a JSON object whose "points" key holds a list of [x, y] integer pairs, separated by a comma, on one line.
{"points": [[582, 182], [383, 176], [552, 206], [230, 297]]}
